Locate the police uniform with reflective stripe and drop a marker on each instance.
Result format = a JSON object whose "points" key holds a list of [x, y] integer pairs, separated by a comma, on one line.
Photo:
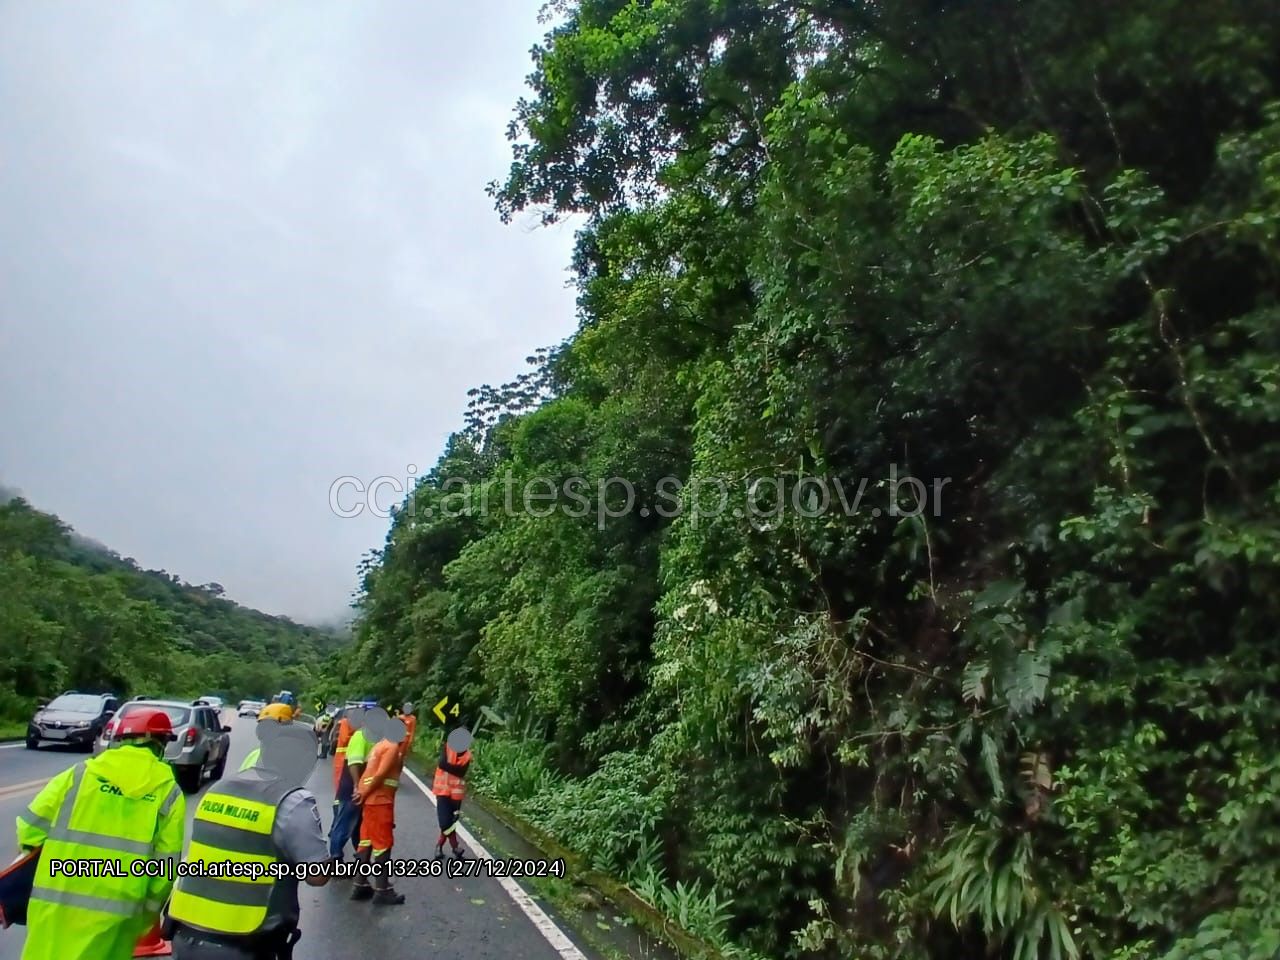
{"points": [[249, 818]]}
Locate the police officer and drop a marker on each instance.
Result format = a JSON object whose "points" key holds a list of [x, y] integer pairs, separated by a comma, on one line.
{"points": [[260, 816], [277, 712], [124, 806]]}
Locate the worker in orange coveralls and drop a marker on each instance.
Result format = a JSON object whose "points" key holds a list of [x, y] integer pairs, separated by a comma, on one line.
{"points": [[345, 730], [410, 728], [376, 795]]}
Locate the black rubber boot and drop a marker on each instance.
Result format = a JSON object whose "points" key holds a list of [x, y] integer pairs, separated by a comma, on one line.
{"points": [[384, 894], [362, 889]]}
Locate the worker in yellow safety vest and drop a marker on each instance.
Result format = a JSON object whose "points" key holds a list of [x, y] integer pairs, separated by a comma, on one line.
{"points": [[122, 806], [263, 816]]}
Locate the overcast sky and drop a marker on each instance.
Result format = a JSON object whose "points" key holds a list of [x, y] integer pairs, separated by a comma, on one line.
{"points": [[245, 250]]}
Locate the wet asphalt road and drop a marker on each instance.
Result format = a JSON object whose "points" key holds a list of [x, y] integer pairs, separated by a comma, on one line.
{"points": [[464, 918]]}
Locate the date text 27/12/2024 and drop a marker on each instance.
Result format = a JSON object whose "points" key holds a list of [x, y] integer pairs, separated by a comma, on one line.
{"points": [[172, 868]]}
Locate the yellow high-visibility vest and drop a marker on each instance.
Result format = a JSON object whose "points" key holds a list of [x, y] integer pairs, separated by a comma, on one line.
{"points": [[113, 810], [233, 825]]}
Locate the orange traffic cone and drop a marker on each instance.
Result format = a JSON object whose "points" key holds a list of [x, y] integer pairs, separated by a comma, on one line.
{"points": [[153, 944]]}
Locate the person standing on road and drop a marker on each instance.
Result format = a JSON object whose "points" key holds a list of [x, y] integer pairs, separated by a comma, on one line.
{"points": [[323, 722], [346, 814], [277, 712], [343, 737], [376, 797], [260, 816], [410, 728], [124, 806], [450, 787]]}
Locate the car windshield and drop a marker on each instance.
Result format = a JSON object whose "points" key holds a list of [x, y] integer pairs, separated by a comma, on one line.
{"points": [[176, 715], [76, 703]]}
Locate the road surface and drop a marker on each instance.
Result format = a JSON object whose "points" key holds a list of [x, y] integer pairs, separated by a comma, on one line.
{"points": [[467, 918]]}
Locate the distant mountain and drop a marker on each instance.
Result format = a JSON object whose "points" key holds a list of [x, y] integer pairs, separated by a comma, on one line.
{"points": [[90, 618]]}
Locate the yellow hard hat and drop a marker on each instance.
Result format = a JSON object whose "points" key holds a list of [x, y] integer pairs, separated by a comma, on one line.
{"points": [[276, 711]]}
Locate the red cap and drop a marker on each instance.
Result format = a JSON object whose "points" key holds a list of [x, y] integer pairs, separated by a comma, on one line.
{"points": [[145, 723]]}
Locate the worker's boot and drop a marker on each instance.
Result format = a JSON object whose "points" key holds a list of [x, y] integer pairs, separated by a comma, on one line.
{"points": [[384, 893], [362, 889]]}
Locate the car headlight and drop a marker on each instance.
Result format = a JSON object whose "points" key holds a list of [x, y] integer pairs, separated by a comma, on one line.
{"points": [[82, 724]]}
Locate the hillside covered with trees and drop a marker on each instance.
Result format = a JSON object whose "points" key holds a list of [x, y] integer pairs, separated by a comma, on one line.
{"points": [[75, 615], [1029, 251]]}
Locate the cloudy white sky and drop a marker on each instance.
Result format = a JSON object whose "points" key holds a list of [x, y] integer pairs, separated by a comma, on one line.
{"points": [[246, 250]]}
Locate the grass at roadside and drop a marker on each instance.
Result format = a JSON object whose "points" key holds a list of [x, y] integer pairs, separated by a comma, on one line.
{"points": [[608, 918], [13, 730], [576, 904]]}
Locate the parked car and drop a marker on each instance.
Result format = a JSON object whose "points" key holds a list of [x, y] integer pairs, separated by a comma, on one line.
{"points": [[201, 747], [250, 708], [75, 718], [216, 702]]}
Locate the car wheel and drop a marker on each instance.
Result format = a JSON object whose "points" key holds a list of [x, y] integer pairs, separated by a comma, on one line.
{"points": [[189, 778], [220, 769], [33, 744]]}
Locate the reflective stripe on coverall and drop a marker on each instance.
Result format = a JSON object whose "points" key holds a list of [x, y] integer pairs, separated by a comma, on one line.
{"points": [[122, 806]]}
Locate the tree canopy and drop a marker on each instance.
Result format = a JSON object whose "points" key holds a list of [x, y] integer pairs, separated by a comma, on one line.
{"points": [[1027, 253], [76, 615]]}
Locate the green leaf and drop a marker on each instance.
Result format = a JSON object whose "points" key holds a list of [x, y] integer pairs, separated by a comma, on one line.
{"points": [[991, 760]]}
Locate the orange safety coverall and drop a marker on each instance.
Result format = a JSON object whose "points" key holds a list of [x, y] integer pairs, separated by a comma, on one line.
{"points": [[410, 728], [340, 751], [378, 796]]}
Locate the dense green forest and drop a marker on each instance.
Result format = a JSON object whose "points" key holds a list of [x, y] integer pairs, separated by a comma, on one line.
{"points": [[75, 615], [1024, 251]]}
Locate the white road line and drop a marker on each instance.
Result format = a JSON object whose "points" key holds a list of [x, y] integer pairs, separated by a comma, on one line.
{"points": [[12, 746], [550, 932], [17, 789]]}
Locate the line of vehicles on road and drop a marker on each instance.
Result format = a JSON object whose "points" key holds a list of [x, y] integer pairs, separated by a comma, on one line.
{"points": [[89, 720]]}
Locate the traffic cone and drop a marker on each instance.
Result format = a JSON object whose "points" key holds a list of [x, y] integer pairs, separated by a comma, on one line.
{"points": [[153, 944]]}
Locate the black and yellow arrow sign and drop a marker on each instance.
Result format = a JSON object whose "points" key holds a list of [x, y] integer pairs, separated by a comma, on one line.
{"points": [[438, 710]]}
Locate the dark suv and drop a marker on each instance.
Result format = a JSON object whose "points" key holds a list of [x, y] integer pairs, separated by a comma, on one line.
{"points": [[75, 718]]}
